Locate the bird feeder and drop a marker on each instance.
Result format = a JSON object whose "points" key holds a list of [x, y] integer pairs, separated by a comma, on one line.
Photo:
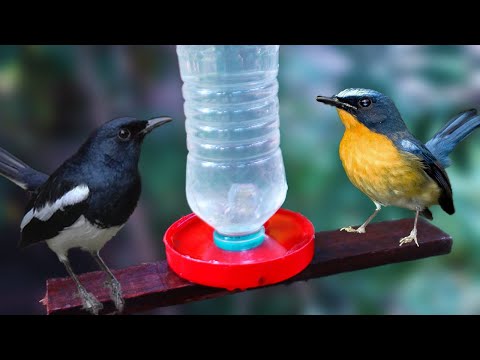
{"points": [[237, 237]]}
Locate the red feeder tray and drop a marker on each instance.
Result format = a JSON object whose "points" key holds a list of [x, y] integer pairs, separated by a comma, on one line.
{"points": [[287, 249]]}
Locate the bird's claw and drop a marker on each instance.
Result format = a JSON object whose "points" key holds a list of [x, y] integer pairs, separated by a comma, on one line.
{"points": [[408, 239], [350, 229], [90, 302], [116, 294]]}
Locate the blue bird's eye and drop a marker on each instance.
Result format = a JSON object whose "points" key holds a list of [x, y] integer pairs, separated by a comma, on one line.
{"points": [[365, 102], [124, 134]]}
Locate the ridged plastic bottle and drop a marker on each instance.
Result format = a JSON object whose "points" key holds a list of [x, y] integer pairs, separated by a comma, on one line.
{"points": [[235, 178]]}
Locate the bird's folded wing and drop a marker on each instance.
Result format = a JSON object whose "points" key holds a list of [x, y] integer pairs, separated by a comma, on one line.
{"points": [[57, 206], [432, 168]]}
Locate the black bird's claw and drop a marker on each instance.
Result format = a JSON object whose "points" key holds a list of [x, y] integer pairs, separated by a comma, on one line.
{"points": [[116, 294], [90, 302]]}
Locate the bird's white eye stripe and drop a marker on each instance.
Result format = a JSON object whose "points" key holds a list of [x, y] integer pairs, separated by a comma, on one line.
{"points": [[72, 197], [354, 92]]}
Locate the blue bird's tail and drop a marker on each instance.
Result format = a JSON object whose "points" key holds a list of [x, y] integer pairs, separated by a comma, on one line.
{"points": [[457, 129], [20, 173]]}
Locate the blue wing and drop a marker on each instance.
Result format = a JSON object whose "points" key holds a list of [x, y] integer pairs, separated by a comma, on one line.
{"points": [[431, 166]]}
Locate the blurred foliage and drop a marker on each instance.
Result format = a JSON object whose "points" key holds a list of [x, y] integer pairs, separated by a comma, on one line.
{"points": [[51, 97]]}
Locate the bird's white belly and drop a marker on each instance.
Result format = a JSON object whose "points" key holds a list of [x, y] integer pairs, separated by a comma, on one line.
{"points": [[82, 234]]}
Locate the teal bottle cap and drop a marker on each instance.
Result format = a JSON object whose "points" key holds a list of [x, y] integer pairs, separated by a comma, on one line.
{"points": [[239, 243]]}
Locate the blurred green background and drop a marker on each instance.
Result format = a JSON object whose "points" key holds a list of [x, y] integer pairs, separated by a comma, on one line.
{"points": [[51, 97]]}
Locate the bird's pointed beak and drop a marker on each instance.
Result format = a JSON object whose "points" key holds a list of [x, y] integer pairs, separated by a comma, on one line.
{"points": [[155, 123], [333, 101]]}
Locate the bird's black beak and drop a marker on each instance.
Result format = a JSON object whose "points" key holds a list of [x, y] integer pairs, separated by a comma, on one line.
{"points": [[155, 123], [333, 101]]}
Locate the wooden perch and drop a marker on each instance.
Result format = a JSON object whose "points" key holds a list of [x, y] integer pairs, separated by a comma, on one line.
{"points": [[152, 285]]}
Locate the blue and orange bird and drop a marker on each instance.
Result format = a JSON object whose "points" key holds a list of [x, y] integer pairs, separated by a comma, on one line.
{"points": [[387, 163]]}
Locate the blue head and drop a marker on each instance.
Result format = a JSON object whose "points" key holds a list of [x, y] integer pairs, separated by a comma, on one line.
{"points": [[119, 141], [369, 107]]}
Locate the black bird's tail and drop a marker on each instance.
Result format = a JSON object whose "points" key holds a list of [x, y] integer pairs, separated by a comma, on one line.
{"points": [[20, 173], [457, 129]]}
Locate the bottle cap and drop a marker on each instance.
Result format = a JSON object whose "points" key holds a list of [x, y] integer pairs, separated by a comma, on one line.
{"points": [[287, 248], [239, 243]]}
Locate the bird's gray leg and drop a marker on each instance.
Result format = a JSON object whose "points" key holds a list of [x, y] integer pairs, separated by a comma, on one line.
{"points": [[361, 229], [89, 301], [112, 283], [413, 233]]}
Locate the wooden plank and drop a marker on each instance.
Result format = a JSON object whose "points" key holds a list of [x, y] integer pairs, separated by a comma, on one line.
{"points": [[152, 285]]}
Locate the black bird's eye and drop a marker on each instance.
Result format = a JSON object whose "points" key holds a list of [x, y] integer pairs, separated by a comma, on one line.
{"points": [[124, 134], [365, 102]]}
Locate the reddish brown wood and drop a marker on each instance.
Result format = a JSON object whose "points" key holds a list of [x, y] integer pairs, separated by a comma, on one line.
{"points": [[152, 285]]}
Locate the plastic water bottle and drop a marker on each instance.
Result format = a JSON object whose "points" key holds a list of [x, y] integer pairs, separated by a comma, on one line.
{"points": [[235, 178]]}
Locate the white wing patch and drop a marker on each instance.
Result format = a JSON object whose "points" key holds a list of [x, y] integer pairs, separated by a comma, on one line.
{"points": [[72, 197], [26, 219]]}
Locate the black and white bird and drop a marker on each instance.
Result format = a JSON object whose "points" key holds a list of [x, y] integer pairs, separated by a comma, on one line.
{"points": [[88, 199]]}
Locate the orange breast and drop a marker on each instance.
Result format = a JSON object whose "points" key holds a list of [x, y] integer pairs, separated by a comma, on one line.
{"points": [[378, 169]]}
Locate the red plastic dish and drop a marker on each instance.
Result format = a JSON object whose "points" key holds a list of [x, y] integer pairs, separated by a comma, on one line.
{"points": [[287, 249]]}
